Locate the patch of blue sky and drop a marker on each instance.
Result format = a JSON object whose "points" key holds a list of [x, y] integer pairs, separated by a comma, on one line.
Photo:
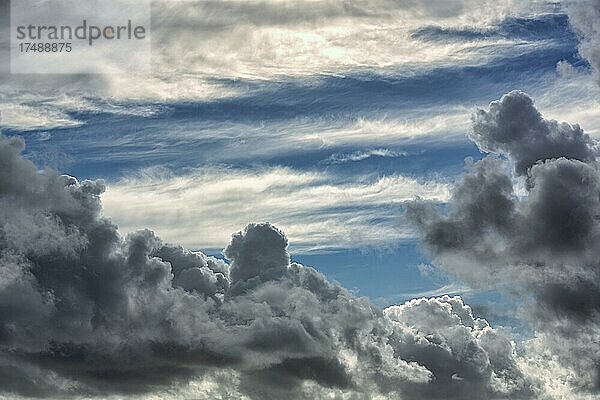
{"points": [[398, 274], [361, 269]]}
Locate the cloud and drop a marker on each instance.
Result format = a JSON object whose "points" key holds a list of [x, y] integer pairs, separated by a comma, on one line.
{"points": [[572, 97], [24, 117], [584, 16], [515, 128], [269, 38], [475, 356], [85, 312], [538, 241], [312, 207]]}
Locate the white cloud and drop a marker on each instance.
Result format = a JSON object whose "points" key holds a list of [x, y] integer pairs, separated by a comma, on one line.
{"points": [[26, 117], [202, 208], [448, 289], [572, 97], [557, 381], [445, 123], [584, 16], [341, 158], [50, 109], [249, 142], [196, 44]]}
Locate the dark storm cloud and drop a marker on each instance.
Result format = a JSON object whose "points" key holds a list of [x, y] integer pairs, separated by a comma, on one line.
{"points": [[258, 255], [514, 127], [87, 312], [540, 242]]}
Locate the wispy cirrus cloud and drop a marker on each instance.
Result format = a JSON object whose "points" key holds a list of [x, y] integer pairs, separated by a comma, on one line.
{"points": [[315, 211], [341, 158]]}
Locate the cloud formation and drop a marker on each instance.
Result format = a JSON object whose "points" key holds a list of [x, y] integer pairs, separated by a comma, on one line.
{"points": [[533, 233], [86, 312], [584, 16], [314, 208], [199, 45]]}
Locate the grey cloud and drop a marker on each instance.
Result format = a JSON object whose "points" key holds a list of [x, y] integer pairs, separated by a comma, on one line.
{"points": [[196, 271], [541, 244], [514, 127], [257, 254], [463, 352], [217, 15], [85, 312]]}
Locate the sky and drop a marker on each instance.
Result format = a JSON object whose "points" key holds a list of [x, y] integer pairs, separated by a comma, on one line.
{"points": [[405, 150]]}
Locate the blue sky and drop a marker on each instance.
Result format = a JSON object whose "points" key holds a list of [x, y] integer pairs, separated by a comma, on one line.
{"points": [[324, 135]]}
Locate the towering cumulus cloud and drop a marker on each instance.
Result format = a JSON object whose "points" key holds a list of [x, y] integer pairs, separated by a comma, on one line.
{"points": [[540, 241], [86, 312]]}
